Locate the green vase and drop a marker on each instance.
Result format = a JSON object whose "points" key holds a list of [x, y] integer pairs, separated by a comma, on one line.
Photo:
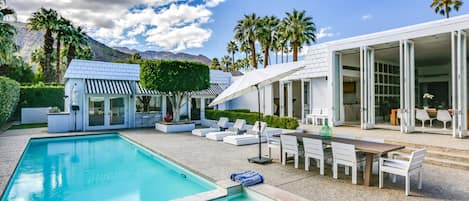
{"points": [[326, 131]]}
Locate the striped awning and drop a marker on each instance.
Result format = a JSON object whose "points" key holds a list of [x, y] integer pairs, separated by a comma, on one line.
{"points": [[108, 86], [214, 90], [142, 91]]}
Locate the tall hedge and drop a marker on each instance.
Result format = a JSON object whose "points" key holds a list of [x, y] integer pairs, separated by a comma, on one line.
{"points": [[9, 96], [251, 117], [41, 95]]}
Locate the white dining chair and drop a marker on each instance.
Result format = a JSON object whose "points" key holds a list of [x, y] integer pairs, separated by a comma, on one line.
{"points": [[345, 136], [399, 116], [324, 115], [403, 168], [314, 149], [315, 113], [443, 116], [290, 146], [423, 116], [344, 154], [273, 142]]}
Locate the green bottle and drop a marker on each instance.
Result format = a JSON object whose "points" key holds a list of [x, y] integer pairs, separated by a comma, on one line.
{"points": [[326, 131]]}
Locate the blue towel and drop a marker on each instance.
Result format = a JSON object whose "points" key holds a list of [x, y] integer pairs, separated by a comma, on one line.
{"points": [[250, 181], [247, 178]]}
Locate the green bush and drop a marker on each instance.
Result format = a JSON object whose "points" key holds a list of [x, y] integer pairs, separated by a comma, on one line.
{"points": [[251, 118], [240, 110], [9, 96], [41, 95]]}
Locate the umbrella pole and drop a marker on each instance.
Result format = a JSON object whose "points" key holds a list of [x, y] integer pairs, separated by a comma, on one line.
{"points": [[259, 159]]}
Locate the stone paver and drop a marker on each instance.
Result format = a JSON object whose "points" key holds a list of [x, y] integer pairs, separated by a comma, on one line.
{"points": [[216, 160]]}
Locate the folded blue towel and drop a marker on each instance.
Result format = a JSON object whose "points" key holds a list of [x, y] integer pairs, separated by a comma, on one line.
{"points": [[250, 181], [247, 178]]}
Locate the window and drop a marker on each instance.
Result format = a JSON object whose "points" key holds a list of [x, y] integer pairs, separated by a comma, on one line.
{"points": [[207, 102], [148, 103]]}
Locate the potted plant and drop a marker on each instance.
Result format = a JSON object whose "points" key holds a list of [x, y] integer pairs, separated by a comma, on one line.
{"points": [[427, 97]]}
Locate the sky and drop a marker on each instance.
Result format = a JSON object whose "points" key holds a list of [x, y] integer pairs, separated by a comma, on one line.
{"points": [[205, 26]]}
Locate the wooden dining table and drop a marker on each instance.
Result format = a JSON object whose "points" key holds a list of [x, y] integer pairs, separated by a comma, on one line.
{"points": [[368, 148]]}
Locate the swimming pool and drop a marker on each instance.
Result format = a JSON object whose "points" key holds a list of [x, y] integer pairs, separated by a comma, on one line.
{"points": [[98, 167]]}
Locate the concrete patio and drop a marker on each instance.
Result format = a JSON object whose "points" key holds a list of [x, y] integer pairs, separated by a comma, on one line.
{"points": [[216, 160]]}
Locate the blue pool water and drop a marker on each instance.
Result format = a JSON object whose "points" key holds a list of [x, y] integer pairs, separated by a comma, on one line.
{"points": [[104, 167]]}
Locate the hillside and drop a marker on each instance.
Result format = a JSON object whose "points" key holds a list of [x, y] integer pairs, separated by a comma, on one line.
{"points": [[31, 40], [166, 55]]}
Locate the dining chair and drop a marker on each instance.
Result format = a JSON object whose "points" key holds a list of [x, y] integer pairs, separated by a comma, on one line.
{"points": [[315, 113], [423, 116], [399, 116], [344, 154], [443, 116], [314, 149], [403, 168], [290, 146], [273, 142], [324, 115]]}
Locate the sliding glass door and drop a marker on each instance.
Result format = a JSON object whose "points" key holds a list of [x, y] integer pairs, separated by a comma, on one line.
{"points": [[107, 112]]}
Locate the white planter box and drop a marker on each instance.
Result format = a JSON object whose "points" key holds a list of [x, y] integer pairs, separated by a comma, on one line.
{"points": [[59, 122], [174, 128]]}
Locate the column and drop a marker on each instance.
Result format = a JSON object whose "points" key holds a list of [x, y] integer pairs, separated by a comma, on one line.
{"points": [[290, 98], [367, 87], [407, 65], [459, 83]]}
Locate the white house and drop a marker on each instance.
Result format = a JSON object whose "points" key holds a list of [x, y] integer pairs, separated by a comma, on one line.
{"points": [[108, 96], [365, 80]]}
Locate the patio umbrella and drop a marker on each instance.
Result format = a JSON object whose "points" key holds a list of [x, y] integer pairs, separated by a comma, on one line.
{"points": [[253, 81]]}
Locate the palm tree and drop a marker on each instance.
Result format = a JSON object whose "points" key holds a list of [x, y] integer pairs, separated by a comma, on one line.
{"points": [[45, 20], [444, 7], [266, 35], [226, 62], [232, 48], [62, 27], [246, 30], [7, 37], [245, 48], [75, 38], [299, 29]]}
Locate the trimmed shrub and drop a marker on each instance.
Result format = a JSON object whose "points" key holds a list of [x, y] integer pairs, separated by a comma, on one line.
{"points": [[40, 95], [251, 117], [240, 110], [9, 96]]}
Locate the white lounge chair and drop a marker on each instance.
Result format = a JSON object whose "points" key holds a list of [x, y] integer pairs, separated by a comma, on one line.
{"points": [[222, 123], [251, 137], [403, 168], [237, 128]]}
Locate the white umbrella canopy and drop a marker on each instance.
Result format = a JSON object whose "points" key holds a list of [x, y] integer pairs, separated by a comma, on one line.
{"points": [[260, 78]]}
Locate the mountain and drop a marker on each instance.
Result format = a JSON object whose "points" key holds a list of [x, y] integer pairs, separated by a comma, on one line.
{"points": [[31, 40], [149, 54]]}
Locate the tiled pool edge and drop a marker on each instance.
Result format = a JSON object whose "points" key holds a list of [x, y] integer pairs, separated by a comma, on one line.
{"points": [[10, 176]]}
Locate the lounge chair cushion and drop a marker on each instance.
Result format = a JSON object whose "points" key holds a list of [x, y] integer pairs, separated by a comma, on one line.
{"points": [[218, 136], [243, 139], [203, 131]]}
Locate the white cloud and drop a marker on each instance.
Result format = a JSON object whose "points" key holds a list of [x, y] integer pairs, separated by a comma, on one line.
{"points": [[325, 32], [168, 24], [367, 17], [213, 3]]}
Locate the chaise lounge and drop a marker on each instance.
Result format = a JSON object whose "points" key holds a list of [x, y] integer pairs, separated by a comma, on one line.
{"points": [[221, 124], [237, 129], [252, 136]]}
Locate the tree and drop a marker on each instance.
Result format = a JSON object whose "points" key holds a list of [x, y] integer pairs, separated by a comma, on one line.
{"points": [[215, 65], [19, 70], [136, 56], [75, 39], [175, 79], [444, 7], [232, 48], [299, 29], [61, 29], [266, 35], [246, 30], [226, 62], [7, 38], [45, 20]]}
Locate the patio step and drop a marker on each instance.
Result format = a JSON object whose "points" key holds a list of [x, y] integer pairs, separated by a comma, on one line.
{"points": [[444, 159], [431, 148]]}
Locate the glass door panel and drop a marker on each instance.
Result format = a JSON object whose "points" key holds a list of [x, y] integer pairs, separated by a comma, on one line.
{"points": [[117, 111], [96, 111]]}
